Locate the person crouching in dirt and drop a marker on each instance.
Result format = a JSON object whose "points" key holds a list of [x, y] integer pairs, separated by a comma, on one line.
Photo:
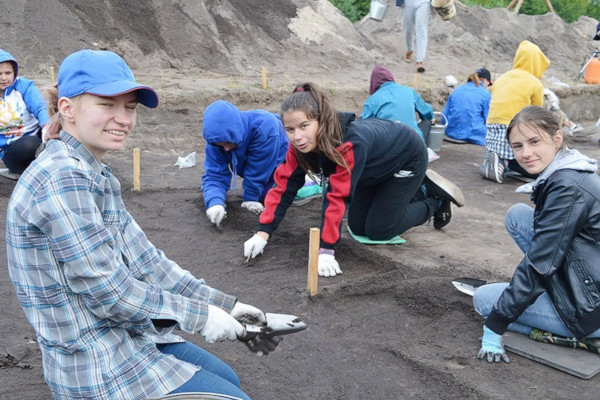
{"points": [[101, 298], [556, 287], [514, 90], [23, 114], [467, 108], [382, 181], [390, 100], [249, 144]]}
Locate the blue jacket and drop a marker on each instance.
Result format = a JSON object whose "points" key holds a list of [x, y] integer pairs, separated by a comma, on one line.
{"points": [[22, 108], [467, 110], [261, 144], [397, 103]]}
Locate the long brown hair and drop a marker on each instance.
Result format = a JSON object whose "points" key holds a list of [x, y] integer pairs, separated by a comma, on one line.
{"points": [[317, 105]]}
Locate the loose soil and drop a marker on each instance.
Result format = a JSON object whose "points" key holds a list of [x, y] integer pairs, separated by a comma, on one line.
{"points": [[392, 326]]}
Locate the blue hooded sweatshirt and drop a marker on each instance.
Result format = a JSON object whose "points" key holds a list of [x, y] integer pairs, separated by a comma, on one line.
{"points": [[261, 145], [22, 109]]}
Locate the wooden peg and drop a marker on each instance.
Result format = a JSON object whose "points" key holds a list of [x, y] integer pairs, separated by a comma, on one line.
{"points": [[264, 77], [52, 77], [136, 170], [313, 260]]}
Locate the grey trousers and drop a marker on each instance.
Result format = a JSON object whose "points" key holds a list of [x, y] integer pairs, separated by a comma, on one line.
{"points": [[415, 25]]}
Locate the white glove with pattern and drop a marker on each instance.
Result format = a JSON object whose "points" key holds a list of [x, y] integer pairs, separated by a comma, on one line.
{"points": [[220, 326], [253, 206]]}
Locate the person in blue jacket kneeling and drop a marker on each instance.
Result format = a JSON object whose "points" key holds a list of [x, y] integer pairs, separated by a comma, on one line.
{"points": [[23, 114], [467, 108], [250, 144]]}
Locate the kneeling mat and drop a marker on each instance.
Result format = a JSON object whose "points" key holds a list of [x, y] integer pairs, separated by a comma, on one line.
{"points": [[366, 240]]}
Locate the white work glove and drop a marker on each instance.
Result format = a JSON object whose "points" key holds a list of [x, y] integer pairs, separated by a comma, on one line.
{"points": [[248, 314], [216, 214], [254, 246], [253, 206], [328, 266], [221, 326]]}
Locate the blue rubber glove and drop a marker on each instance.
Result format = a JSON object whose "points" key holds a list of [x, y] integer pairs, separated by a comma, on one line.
{"points": [[492, 346]]}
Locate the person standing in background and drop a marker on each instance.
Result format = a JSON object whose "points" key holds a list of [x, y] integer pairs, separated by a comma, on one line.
{"points": [[415, 26]]}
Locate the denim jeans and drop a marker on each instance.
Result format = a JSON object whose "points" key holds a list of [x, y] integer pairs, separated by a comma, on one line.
{"points": [[214, 377], [541, 314]]}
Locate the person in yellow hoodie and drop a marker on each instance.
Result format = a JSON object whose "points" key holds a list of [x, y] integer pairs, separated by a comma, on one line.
{"points": [[514, 90]]}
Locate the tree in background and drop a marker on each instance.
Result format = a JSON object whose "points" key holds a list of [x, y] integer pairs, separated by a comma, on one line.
{"points": [[568, 10], [354, 10]]}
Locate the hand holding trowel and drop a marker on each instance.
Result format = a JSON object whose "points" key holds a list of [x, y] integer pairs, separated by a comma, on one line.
{"points": [[264, 338], [469, 285]]}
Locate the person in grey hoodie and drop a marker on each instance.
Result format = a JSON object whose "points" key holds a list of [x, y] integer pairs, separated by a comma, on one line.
{"points": [[556, 287]]}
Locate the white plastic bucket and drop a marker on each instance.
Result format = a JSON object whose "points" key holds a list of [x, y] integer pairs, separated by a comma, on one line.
{"points": [[377, 10], [444, 8], [436, 132]]}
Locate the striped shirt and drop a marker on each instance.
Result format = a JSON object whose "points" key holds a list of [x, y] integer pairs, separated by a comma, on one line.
{"points": [[97, 292]]}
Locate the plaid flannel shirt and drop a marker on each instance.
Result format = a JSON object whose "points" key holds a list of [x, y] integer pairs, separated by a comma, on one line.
{"points": [[92, 285]]}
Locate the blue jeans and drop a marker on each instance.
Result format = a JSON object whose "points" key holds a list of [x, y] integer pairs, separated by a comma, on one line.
{"points": [[214, 377], [541, 314]]}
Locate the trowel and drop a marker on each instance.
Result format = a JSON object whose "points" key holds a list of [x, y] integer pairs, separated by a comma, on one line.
{"points": [[263, 339], [468, 285]]}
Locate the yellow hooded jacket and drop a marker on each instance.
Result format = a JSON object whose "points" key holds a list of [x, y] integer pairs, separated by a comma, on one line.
{"points": [[520, 87]]}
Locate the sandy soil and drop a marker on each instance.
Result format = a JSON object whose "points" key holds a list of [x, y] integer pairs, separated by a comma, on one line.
{"points": [[392, 326]]}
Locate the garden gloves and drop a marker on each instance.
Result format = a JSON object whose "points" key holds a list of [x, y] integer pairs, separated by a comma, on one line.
{"points": [[248, 314], [492, 347], [253, 206], [216, 214], [220, 326], [328, 266], [254, 246]]}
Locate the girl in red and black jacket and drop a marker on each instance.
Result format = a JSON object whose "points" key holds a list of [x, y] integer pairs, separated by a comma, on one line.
{"points": [[376, 169]]}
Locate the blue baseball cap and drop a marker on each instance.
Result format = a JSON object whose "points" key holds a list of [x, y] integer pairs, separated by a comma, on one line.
{"points": [[102, 73]]}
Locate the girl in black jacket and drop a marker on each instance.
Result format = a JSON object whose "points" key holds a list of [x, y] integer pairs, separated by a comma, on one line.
{"points": [[376, 169], [556, 287]]}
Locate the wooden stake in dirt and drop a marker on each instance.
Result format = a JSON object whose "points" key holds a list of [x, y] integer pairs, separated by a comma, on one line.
{"points": [[52, 78], [415, 81], [264, 77], [313, 260], [136, 170]]}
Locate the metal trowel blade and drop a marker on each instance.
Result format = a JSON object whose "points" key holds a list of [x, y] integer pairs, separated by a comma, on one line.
{"points": [[468, 285]]}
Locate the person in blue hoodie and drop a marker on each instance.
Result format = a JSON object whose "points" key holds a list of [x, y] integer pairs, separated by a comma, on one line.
{"points": [[23, 114], [556, 286], [467, 108], [389, 100], [250, 144]]}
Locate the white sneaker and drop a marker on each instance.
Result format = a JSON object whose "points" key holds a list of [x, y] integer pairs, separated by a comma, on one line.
{"points": [[575, 128]]}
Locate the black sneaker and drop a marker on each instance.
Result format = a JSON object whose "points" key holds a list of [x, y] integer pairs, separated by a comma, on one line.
{"points": [[442, 216], [439, 187]]}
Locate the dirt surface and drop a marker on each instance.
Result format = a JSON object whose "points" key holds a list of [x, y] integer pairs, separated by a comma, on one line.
{"points": [[392, 326]]}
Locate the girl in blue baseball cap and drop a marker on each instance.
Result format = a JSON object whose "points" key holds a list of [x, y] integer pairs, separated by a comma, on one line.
{"points": [[104, 302]]}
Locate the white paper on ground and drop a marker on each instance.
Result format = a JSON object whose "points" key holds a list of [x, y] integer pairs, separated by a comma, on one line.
{"points": [[187, 161]]}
